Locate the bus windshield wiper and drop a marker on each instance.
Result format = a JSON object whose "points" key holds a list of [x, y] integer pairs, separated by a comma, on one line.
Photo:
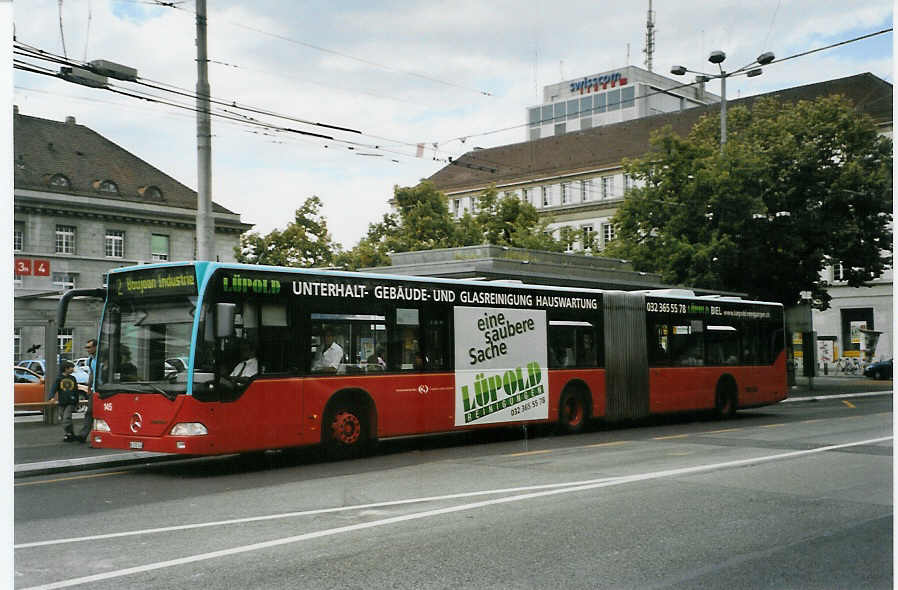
{"points": [[136, 387], [168, 395]]}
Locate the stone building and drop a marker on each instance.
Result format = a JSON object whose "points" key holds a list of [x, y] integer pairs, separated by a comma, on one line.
{"points": [[84, 205]]}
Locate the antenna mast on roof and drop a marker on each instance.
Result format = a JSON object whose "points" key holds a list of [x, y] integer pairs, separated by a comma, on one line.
{"points": [[649, 38]]}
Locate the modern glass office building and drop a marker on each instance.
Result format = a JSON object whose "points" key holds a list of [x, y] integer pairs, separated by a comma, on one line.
{"points": [[610, 97]]}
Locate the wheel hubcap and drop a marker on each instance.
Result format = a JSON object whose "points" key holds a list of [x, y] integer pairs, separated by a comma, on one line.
{"points": [[346, 428]]}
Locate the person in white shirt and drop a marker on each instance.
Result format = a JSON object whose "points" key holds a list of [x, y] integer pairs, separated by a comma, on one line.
{"points": [[249, 366], [329, 356]]}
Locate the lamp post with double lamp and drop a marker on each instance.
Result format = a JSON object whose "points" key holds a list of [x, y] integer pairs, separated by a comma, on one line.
{"points": [[717, 58]]}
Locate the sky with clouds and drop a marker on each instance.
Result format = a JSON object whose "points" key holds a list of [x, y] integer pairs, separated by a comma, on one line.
{"points": [[449, 75]]}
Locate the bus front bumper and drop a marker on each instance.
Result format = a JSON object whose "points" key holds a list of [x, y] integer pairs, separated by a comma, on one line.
{"points": [[187, 445]]}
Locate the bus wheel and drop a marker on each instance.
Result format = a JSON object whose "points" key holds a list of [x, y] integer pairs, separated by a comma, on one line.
{"points": [[572, 412], [346, 433], [725, 403]]}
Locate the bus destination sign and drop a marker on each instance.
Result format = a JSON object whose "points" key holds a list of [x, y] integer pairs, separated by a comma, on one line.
{"points": [[153, 282]]}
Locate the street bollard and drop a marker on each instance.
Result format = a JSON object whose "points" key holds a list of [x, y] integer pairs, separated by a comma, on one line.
{"points": [[51, 415]]}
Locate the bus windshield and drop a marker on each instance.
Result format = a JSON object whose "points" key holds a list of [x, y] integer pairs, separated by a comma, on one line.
{"points": [[145, 345]]}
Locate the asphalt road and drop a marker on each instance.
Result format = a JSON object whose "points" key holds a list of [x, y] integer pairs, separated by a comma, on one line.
{"points": [[792, 496]]}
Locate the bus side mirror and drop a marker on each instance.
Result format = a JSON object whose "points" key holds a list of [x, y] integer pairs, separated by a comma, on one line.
{"points": [[224, 319]]}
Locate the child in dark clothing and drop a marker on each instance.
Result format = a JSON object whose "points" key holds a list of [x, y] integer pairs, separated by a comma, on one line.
{"points": [[65, 394]]}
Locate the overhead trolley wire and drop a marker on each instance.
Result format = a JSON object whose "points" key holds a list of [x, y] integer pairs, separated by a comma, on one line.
{"points": [[351, 57]]}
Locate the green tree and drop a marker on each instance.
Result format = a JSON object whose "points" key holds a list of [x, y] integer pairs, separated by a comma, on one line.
{"points": [[509, 221], [305, 242], [422, 221], [799, 187]]}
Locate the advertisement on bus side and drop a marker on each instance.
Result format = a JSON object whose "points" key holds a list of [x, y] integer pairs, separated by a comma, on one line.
{"points": [[501, 368]]}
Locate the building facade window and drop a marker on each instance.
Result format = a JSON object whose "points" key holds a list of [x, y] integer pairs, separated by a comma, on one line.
{"points": [[613, 100], [16, 345], [607, 187], [60, 181], [18, 240], [607, 233], [838, 272], [65, 239], [587, 233], [107, 186], [159, 248], [152, 193], [65, 280], [585, 190], [628, 182], [627, 97], [533, 116], [64, 343], [545, 194], [115, 243], [586, 106], [565, 193], [525, 195]]}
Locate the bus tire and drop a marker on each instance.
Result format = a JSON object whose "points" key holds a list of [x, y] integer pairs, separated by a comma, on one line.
{"points": [[726, 400], [345, 432], [573, 411]]}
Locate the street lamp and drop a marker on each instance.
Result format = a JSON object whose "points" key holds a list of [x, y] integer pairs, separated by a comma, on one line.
{"points": [[717, 58]]}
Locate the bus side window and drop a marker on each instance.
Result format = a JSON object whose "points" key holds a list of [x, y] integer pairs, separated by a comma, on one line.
{"points": [[274, 340], [722, 343], [562, 344], [658, 343], [436, 339], [406, 341], [687, 344]]}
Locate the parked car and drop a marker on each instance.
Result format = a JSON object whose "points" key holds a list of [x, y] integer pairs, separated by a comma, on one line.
{"points": [[81, 374], [879, 370], [28, 387]]}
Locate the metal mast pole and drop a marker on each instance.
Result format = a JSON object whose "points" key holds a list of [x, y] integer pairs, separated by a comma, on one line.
{"points": [[205, 230], [723, 110]]}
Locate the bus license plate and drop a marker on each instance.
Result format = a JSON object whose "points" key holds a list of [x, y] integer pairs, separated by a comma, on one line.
{"points": [[136, 444]]}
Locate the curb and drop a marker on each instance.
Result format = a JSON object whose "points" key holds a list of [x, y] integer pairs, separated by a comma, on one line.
{"points": [[87, 463], [817, 398]]}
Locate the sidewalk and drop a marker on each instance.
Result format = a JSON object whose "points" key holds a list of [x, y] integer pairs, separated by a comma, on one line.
{"points": [[39, 449]]}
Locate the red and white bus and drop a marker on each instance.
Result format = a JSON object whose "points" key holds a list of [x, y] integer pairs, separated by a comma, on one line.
{"points": [[209, 358]]}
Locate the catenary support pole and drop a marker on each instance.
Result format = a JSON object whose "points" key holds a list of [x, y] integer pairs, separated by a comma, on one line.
{"points": [[205, 230]]}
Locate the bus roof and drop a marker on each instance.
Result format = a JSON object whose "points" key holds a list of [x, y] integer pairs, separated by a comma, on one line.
{"points": [[205, 269]]}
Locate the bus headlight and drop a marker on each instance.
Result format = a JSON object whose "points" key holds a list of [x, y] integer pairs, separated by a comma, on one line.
{"points": [[100, 425], [189, 429]]}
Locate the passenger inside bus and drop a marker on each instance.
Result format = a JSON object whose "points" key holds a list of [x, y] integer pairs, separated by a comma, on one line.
{"points": [[376, 361], [328, 357], [249, 365]]}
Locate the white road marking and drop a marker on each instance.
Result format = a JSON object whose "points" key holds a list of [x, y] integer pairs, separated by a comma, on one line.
{"points": [[571, 487]]}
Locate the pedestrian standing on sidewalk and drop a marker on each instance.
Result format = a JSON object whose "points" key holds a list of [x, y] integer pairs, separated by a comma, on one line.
{"points": [[65, 394], [91, 348]]}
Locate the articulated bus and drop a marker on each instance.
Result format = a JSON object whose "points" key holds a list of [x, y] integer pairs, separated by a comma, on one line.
{"points": [[211, 358]]}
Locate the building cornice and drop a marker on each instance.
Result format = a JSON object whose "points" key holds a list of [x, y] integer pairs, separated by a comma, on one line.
{"points": [[39, 202], [541, 179]]}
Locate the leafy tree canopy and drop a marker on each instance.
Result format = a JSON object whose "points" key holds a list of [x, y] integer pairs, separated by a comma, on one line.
{"points": [[423, 222], [798, 187], [305, 242]]}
